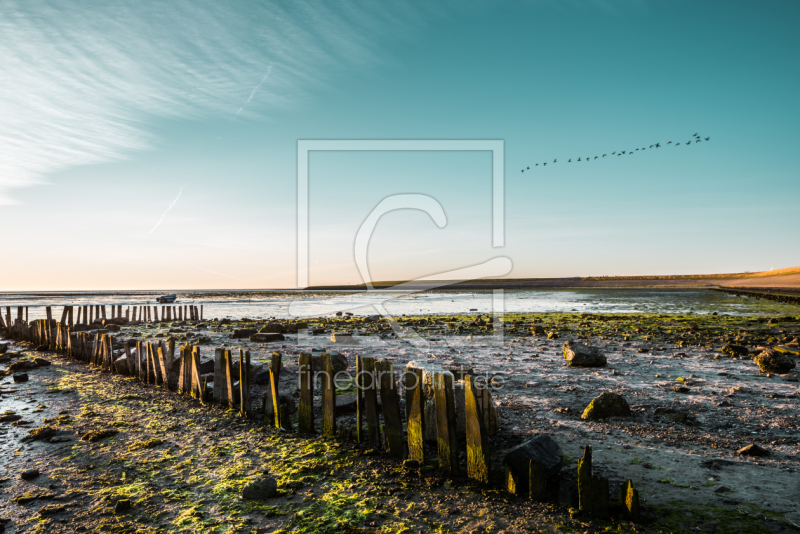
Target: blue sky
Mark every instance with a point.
(111, 109)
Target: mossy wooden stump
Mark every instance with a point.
(390, 405)
(592, 490)
(477, 438)
(306, 405)
(369, 386)
(446, 429)
(416, 414)
(328, 397)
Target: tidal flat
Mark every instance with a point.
(181, 466)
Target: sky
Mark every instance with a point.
(154, 145)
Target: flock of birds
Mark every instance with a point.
(696, 138)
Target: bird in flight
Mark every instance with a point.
(579, 159)
(695, 135)
(555, 160)
(707, 138)
(529, 168)
(669, 143)
(570, 160)
(658, 145)
(604, 155)
(544, 164)
(595, 157)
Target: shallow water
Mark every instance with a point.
(285, 304)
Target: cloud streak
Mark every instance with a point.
(84, 82)
(167, 211)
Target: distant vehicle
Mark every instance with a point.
(165, 299)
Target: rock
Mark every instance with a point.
(753, 450)
(771, 361)
(21, 377)
(3, 348)
(343, 337)
(121, 365)
(206, 367)
(224, 321)
(580, 355)
(38, 434)
(267, 338)
(680, 389)
(122, 506)
(30, 474)
(605, 405)
(272, 328)
(97, 435)
(537, 330)
(9, 417)
(735, 350)
(722, 489)
(243, 333)
(543, 450)
(265, 487)
(22, 365)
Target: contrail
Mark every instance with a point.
(169, 208)
(264, 79)
(215, 272)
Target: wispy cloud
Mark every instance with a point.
(215, 272)
(167, 210)
(82, 82)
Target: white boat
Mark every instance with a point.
(164, 299)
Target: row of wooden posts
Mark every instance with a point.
(89, 313)
(373, 378)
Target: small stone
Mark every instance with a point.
(265, 487)
(21, 377)
(122, 506)
(30, 474)
(771, 361)
(680, 389)
(580, 355)
(722, 489)
(753, 450)
(607, 404)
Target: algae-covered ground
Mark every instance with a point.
(181, 466)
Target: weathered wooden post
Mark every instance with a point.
(477, 440)
(198, 386)
(632, 502)
(185, 371)
(231, 397)
(49, 312)
(416, 414)
(162, 364)
(201, 312)
(306, 404)
(328, 397)
(592, 490)
(370, 401)
(244, 383)
(446, 429)
(274, 382)
(390, 406)
(359, 402)
(219, 395)
(69, 317)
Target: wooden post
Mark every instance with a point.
(198, 386)
(26, 314)
(274, 382)
(170, 359)
(359, 402)
(69, 317)
(201, 312)
(390, 406)
(244, 383)
(184, 372)
(416, 414)
(592, 490)
(328, 397)
(446, 430)
(218, 375)
(155, 314)
(477, 440)
(306, 404)
(229, 379)
(369, 386)
(632, 501)
(537, 482)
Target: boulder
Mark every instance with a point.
(264, 487)
(343, 337)
(735, 350)
(121, 365)
(753, 450)
(543, 450)
(38, 434)
(243, 333)
(772, 361)
(29, 474)
(272, 328)
(537, 330)
(581, 355)
(605, 405)
(267, 338)
(21, 377)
